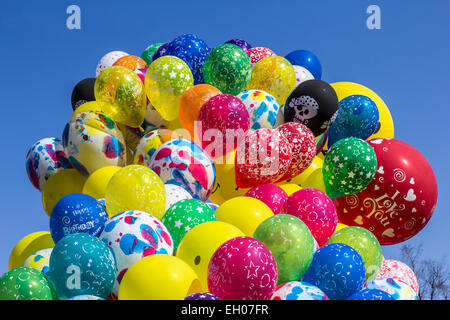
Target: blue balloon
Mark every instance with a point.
(81, 264)
(306, 59)
(76, 213)
(371, 294)
(192, 50)
(357, 117)
(338, 270)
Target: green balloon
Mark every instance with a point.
(25, 283)
(184, 215)
(291, 243)
(148, 53)
(228, 68)
(367, 245)
(348, 167)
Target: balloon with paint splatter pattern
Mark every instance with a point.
(92, 140)
(183, 163)
(44, 159)
(262, 107)
(133, 235)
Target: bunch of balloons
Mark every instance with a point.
(212, 173)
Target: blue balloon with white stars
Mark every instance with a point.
(192, 50)
(338, 270)
(357, 117)
(77, 213)
(306, 59)
(201, 296)
(371, 294)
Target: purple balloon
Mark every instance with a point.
(160, 52)
(244, 45)
(202, 296)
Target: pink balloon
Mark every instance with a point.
(242, 268)
(303, 147)
(316, 210)
(399, 271)
(270, 194)
(263, 156)
(228, 115)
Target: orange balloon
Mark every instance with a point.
(191, 102)
(131, 62)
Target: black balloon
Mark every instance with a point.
(313, 103)
(83, 92)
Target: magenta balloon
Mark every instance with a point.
(316, 210)
(242, 268)
(270, 194)
(227, 115)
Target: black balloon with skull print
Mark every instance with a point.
(313, 103)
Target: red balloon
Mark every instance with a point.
(270, 194)
(257, 53)
(229, 116)
(263, 156)
(401, 198)
(242, 268)
(303, 147)
(316, 210)
(399, 271)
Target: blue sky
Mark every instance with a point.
(406, 63)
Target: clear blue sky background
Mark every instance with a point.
(406, 63)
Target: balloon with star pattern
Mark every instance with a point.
(191, 49)
(185, 215)
(166, 80)
(242, 268)
(348, 168)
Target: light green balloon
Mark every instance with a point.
(291, 243)
(25, 283)
(367, 245)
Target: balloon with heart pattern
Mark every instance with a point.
(263, 156)
(257, 53)
(303, 147)
(400, 199)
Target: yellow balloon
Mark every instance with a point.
(120, 93)
(289, 188)
(340, 226)
(315, 180)
(96, 183)
(225, 186)
(88, 106)
(275, 75)
(166, 80)
(159, 277)
(27, 246)
(199, 244)
(135, 187)
(385, 128)
(59, 185)
(316, 164)
(245, 213)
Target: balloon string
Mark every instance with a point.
(322, 142)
